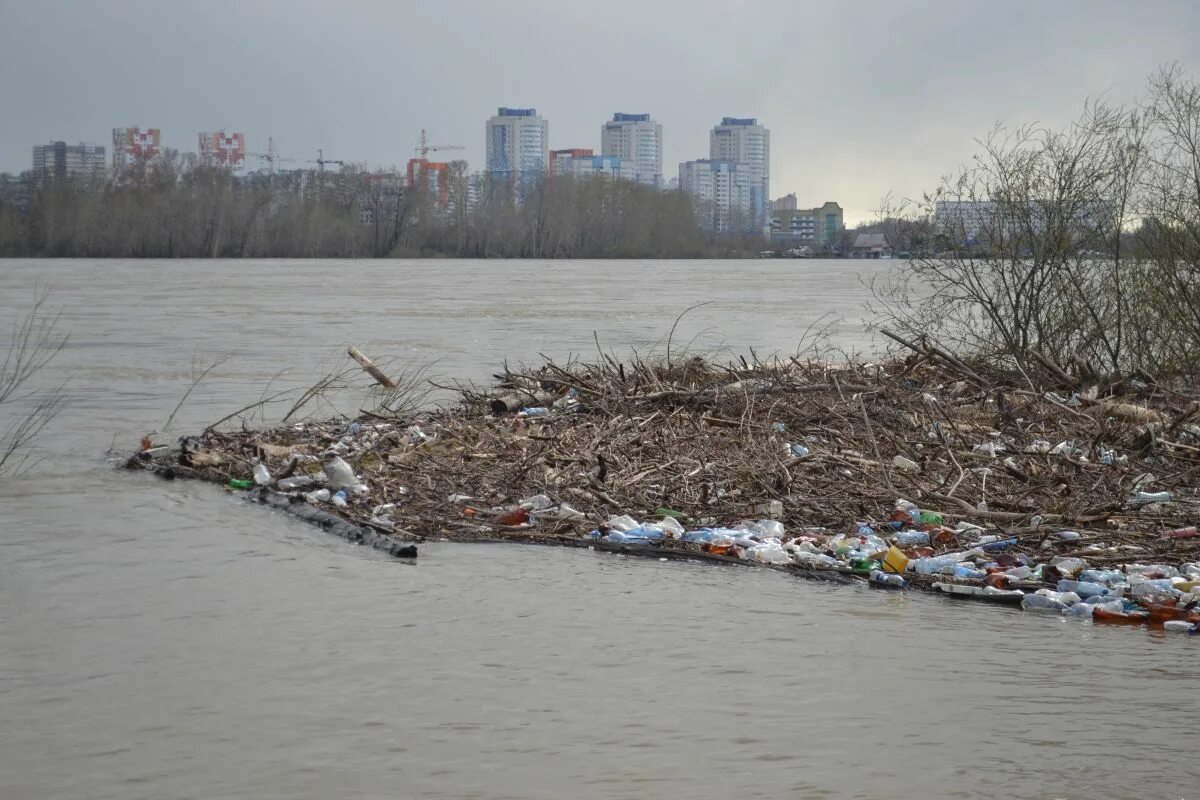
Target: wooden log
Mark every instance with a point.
(371, 369)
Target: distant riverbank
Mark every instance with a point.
(170, 210)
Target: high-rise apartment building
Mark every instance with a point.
(785, 203)
(745, 142)
(723, 193)
(221, 149)
(516, 145)
(432, 177)
(637, 139)
(62, 161)
(133, 145)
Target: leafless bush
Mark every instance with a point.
(1077, 247)
(37, 339)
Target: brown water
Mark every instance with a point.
(164, 640)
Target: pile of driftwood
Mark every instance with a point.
(810, 444)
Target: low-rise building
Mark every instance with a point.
(818, 229)
(570, 151)
(582, 167)
(871, 245)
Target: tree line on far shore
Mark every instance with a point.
(172, 208)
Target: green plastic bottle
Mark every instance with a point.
(240, 483)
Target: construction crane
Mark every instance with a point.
(322, 161)
(271, 156)
(424, 148)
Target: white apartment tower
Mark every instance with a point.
(516, 145)
(745, 142)
(636, 139)
(722, 193)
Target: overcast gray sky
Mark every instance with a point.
(862, 98)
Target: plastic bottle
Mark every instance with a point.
(1083, 588)
(240, 483)
(296, 482)
(769, 528)
(1183, 533)
(1107, 577)
(1084, 610)
(815, 560)
(881, 578)
(769, 554)
(1039, 602)
(1140, 499)
(515, 516)
(536, 503)
(644, 534)
(622, 523)
(319, 496)
(912, 539)
(1066, 598)
(905, 464)
(670, 526)
(933, 565)
(262, 475)
(340, 475)
(1181, 626)
(535, 411)
(339, 499)
(910, 508)
(1069, 566)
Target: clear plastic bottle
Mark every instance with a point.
(886, 579)
(1083, 610)
(1140, 499)
(1066, 598)
(262, 475)
(1083, 588)
(1039, 602)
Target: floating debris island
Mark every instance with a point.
(922, 473)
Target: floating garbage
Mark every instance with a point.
(786, 466)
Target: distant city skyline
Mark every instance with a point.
(861, 103)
